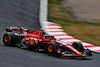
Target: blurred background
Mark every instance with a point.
(79, 18)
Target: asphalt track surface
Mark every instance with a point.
(26, 13)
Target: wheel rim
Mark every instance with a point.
(6, 38)
(50, 48)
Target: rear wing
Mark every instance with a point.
(18, 28)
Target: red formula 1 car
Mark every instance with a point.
(38, 40)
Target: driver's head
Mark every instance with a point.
(42, 29)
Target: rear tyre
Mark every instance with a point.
(78, 46)
(9, 39)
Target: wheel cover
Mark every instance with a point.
(50, 48)
(6, 38)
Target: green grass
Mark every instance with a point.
(85, 31)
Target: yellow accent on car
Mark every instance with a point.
(36, 41)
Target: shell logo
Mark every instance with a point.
(32, 42)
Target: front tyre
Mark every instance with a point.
(78, 46)
(52, 48)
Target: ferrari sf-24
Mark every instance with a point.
(40, 41)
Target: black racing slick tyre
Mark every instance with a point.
(78, 46)
(9, 39)
(51, 48)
